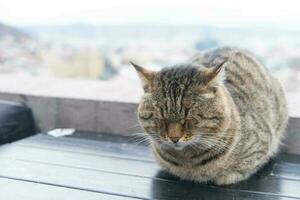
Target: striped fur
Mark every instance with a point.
(231, 117)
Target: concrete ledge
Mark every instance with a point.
(86, 115)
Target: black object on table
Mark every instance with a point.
(16, 122)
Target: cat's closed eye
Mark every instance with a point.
(190, 123)
(145, 115)
(212, 118)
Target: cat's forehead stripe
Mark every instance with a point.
(173, 84)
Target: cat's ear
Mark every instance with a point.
(215, 73)
(213, 77)
(145, 75)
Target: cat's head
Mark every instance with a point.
(184, 104)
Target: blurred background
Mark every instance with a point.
(95, 39)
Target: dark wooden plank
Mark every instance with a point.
(131, 186)
(278, 168)
(23, 190)
(106, 148)
(286, 170)
(79, 160)
(183, 191)
(75, 178)
(98, 164)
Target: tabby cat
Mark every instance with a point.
(218, 118)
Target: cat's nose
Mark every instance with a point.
(175, 139)
(175, 132)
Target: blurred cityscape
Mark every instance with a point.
(102, 52)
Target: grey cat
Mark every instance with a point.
(218, 118)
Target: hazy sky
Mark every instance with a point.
(276, 13)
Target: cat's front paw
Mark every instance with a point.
(229, 178)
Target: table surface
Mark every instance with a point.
(42, 167)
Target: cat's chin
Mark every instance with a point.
(175, 146)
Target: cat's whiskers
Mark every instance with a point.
(143, 141)
(219, 144)
(133, 127)
(218, 149)
(139, 138)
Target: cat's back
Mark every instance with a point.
(244, 75)
(258, 96)
(245, 78)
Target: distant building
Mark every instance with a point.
(86, 63)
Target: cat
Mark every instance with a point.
(218, 118)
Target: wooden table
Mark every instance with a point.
(46, 168)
